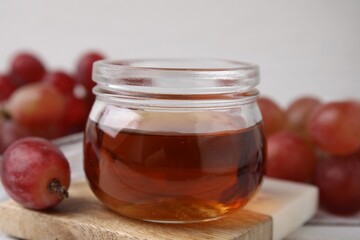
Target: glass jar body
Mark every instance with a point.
(174, 166)
(174, 145)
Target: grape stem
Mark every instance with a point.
(56, 187)
(4, 114)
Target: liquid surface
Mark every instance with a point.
(174, 177)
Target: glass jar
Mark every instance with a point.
(174, 141)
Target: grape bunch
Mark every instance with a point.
(319, 143)
(36, 101)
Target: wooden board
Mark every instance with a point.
(83, 217)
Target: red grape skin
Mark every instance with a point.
(290, 157)
(84, 69)
(298, 113)
(76, 114)
(61, 80)
(335, 127)
(27, 68)
(28, 167)
(11, 131)
(36, 105)
(273, 116)
(7, 87)
(338, 179)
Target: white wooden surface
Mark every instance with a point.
(289, 204)
(322, 226)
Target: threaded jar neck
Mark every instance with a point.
(176, 82)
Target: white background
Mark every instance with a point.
(302, 47)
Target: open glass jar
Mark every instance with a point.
(174, 141)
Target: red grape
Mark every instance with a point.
(61, 80)
(290, 157)
(9, 132)
(273, 116)
(335, 127)
(36, 104)
(7, 87)
(27, 68)
(76, 114)
(35, 173)
(298, 114)
(84, 69)
(39, 107)
(338, 180)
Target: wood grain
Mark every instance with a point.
(82, 216)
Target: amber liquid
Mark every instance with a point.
(174, 177)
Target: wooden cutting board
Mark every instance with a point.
(279, 208)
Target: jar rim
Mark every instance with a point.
(168, 64)
(176, 76)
